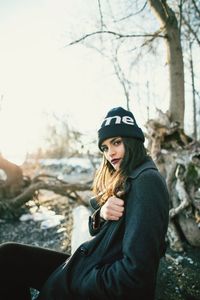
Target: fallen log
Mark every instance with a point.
(10, 206)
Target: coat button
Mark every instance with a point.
(83, 250)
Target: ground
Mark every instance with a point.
(179, 273)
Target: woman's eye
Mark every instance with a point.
(104, 149)
(118, 142)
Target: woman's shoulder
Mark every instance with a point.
(146, 175)
(147, 165)
(146, 183)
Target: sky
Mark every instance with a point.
(40, 75)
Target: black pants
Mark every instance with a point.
(23, 267)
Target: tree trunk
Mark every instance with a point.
(193, 93)
(169, 26)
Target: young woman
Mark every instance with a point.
(128, 225)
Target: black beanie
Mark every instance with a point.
(119, 122)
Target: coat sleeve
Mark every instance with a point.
(95, 221)
(146, 221)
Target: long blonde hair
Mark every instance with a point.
(109, 182)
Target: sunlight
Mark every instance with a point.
(40, 75)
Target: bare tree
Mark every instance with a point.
(169, 27)
(190, 32)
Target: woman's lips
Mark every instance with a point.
(115, 161)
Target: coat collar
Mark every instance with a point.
(148, 164)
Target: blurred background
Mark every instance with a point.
(49, 88)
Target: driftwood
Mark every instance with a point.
(27, 189)
(178, 159)
(13, 182)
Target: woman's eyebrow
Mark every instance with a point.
(111, 141)
(114, 139)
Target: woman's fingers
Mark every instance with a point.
(112, 209)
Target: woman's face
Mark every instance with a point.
(114, 151)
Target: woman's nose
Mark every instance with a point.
(111, 151)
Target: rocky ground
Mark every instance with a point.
(179, 273)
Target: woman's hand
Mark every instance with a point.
(113, 209)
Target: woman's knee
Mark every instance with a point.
(8, 248)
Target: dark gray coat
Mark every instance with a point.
(121, 261)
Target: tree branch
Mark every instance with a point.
(117, 34)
